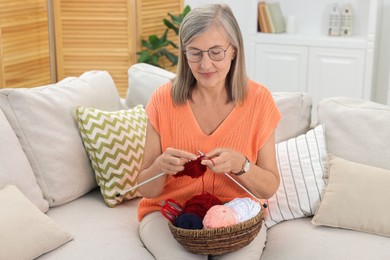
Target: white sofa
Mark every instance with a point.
(43, 155)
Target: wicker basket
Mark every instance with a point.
(218, 241)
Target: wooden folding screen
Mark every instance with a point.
(24, 43)
(94, 35)
(89, 35)
(150, 15)
(105, 35)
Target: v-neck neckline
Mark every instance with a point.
(192, 122)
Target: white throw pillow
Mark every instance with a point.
(143, 80)
(25, 232)
(357, 130)
(15, 168)
(43, 119)
(303, 168)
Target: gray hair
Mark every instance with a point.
(196, 22)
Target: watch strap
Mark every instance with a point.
(243, 168)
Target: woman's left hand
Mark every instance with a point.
(221, 160)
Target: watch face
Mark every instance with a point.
(247, 166)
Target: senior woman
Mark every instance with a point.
(211, 106)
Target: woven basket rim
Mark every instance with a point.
(238, 226)
(216, 241)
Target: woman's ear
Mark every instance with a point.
(234, 55)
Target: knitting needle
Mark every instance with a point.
(142, 183)
(139, 184)
(245, 189)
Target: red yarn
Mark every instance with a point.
(200, 204)
(194, 169)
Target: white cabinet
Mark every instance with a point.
(310, 60)
(280, 67)
(322, 72)
(335, 72)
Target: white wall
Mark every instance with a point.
(383, 58)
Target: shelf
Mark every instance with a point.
(350, 42)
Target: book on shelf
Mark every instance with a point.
(262, 17)
(270, 18)
(277, 17)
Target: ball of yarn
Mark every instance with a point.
(188, 221)
(194, 169)
(219, 216)
(244, 208)
(200, 204)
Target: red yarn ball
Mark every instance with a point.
(194, 169)
(200, 204)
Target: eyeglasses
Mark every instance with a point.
(216, 54)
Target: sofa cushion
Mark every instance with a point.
(15, 168)
(296, 114)
(143, 80)
(356, 197)
(100, 232)
(357, 130)
(115, 143)
(26, 232)
(303, 169)
(294, 107)
(299, 239)
(44, 120)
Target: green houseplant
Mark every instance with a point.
(155, 47)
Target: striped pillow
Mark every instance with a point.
(303, 168)
(115, 144)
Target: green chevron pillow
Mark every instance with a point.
(115, 144)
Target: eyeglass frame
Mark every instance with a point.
(208, 53)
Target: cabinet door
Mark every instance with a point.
(281, 67)
(335, 72)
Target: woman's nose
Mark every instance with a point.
(205, 62)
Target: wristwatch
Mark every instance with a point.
(245, 168)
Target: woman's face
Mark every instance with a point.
(210, 73)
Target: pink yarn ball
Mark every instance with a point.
(219, 216)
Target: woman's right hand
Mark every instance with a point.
(156, 161)
(172, 160)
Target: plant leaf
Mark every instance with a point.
(170, 56)
(169, 24)
(143, 56)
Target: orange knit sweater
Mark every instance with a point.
(246, 129)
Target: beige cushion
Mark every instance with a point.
(44, 120)
(15, 168)
(296, 114)
(357, 197)
(26, 232)
(357, 130)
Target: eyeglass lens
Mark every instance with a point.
(216, 54)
